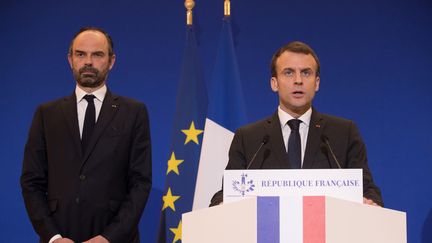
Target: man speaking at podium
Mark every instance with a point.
(297, 136)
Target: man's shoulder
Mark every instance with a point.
(127, 101)
(333, 121)
(259, 125)
(336, 119)
(56, 102)
(71, 99)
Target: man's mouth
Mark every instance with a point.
(88, 71)
(298, 94)
(88, 74)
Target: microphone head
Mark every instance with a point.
(265, 139)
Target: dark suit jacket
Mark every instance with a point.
(103, 191)
(342, 134)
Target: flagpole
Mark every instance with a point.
(227, 8)
(189, 4)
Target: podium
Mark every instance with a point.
(307, 219)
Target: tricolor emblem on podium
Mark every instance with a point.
(294, 219)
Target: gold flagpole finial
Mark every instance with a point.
(227, 8)
(189, 4)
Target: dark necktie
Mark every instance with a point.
(89, 121)
(294, 144)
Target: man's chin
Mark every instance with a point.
(89, 83)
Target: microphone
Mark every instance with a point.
(264, 141)
(325, 139)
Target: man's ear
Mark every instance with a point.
(69, 57)
(274, 84)
(112, 61)
(317, 83)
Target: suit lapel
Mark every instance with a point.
(276, 141)
(316, 127)
(69, 109)
(108, 110)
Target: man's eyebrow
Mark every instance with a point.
(91, 52)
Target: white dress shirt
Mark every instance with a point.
(303, 129)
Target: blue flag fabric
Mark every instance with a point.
(183, 157)
(226, 113)
(226, 101)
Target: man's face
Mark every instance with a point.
(89, 59)
(296, 82)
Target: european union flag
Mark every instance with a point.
(183, 157)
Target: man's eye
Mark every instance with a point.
(306, 73)
(79, 54)
(288, 73)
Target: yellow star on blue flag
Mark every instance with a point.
(173, 164)
(192, 133)
(169, 200)
(177, 232)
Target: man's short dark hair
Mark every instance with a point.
(108, 37)
(296, 47)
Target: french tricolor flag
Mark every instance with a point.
(226, 112)
(291, 219)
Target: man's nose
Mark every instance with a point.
(298, 78)
(88, 61)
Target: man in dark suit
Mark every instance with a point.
(296, 135)
(86, 172)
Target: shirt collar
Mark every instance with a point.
(99, 94)
(284, 117)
